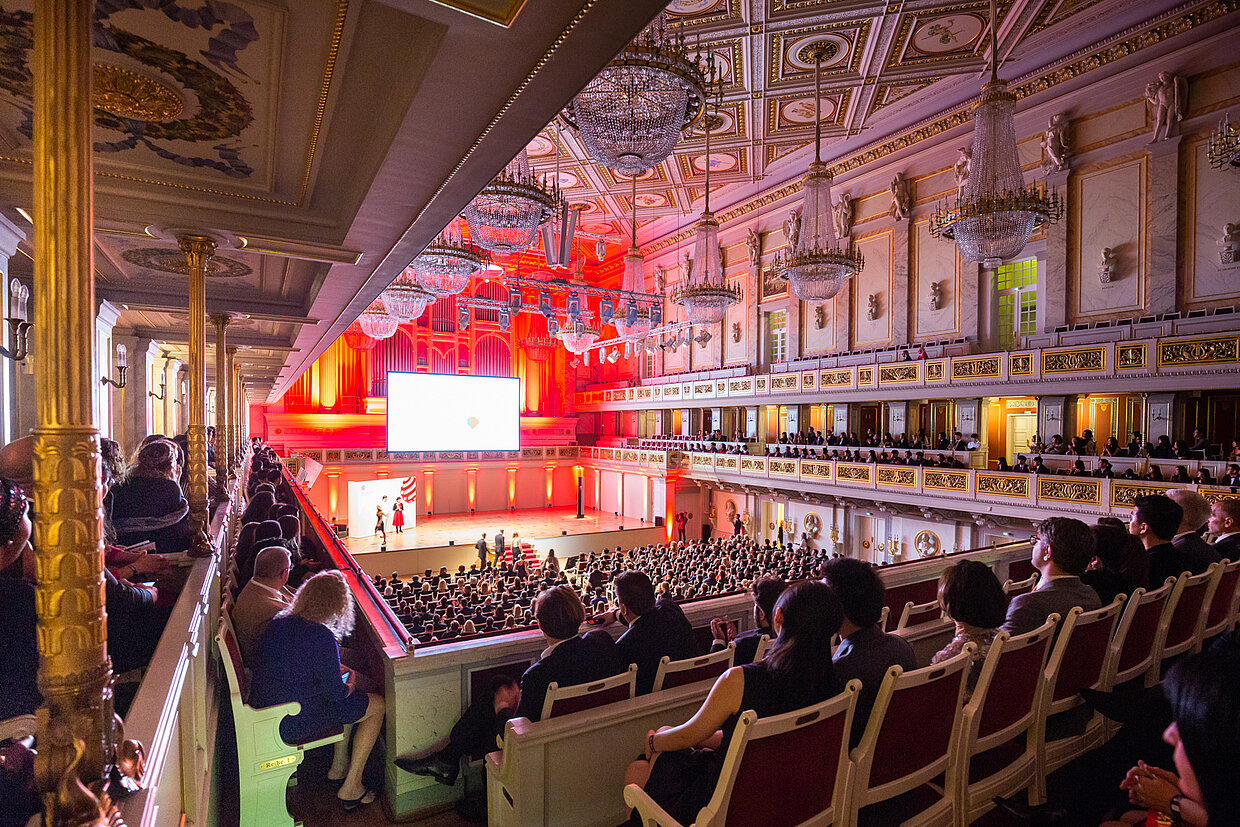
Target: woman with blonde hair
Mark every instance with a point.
(298, 659)
(149, 504)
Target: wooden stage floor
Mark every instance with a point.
(464, 529)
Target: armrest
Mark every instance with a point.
(651, 814)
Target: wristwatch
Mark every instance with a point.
(1174, 806)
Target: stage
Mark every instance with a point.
(448, 539)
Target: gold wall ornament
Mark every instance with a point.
(934, 371)
(835, 378)
(903, 477)
(816, 470)
(813, 525)
(979, 367)
(198, 251)
(1020, 364)
(852, 473)
(927, 543)
(1003, 485)
(782, 467)
(132, 95)
(1205, 351)
(1080, 360)
(1130, 356)
(1087, 492)
(897, 374)
(945, 480)
(1126, 493)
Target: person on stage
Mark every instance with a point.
(481, 545)
(398, 516)
(499, 546)
(379, 528)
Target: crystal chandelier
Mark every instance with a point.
(404, 298)
(538, 348)
(818, 267)
(446, 265)
(631, 115)
(376, 323)
(505, 216)
(705, 294)
(357, 339)
(579, 337)
(1224, 148)
(636, 322)
(993, 218)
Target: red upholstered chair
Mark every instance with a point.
(1137, 634)
(1014, 587)
(909, 741)
(1221, 615)
(1180, 629)
(692, 670)
(1080, 659)
(569, 699)
(759, 785)
(997, 752)
(918, 614)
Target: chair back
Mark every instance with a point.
(1222, 612)
(915, 614)
(234, 668)
(911, 732)
(764, 645)
(1009, 689)
(569, 699)
(1080, 658)
(1182, 627)
(1137, 633)
(1012, 588)
(692, 670)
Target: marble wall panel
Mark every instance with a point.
(871, 206)
(1115, 218)
(1097, 129)
(935, 261)
(816, 340)
(1213, 201)
(875, 278)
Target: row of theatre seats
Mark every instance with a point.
(947, 757)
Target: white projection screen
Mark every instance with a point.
(442, 412)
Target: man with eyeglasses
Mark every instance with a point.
(1062, 548)
(262, 598)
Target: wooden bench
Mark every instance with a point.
(570, 770)
(265, 763)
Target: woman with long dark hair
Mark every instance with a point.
(683, 763)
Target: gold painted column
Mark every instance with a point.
(221, 320)
(198, 251)
(75, 675)
(232, 442)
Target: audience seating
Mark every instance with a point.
(764, 645)
(904, 746)
(1012, 588)
(265, 762)
(917, 614)
(563, 700)
(1221, 615)
(1137, 634)
(760, 785)
(1180, 629)
(1080, 659)
(1001, 725)
(691, 670)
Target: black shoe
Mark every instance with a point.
(441, 770)
(1043, 815)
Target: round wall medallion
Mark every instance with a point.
(139, 97)
(927, 543)
(730, 510)
(170, 260)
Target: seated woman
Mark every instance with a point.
(1163, 449)
(796, 673)
(971, 596)
(1111, 448)
(1079, 469)
(1181, 474)
(149, 504)
(298, 659)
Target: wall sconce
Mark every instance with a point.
(184, 393)
(19, 294)
(1052, 415)
(122, 369)
(163, 389)
(1159, 416)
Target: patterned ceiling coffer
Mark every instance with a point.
(790, 62)
(172, 260)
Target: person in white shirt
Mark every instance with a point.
(1224, 524)
(262, 598)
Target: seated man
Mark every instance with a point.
(1196, 553)
(568, 660)
(1224, 524)
(656, 628)
(1062, 549)
(262, 598)
(1155, 520)
(866, 651)
(765, 591)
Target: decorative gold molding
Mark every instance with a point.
(1020, 364)
(935, 371)
(865, 376)
(1071, 490)
(835, 378)
(1130, 357)
(941, 480)
(782, 467)
(816, 470)
(902, 477)
(753, 464)
(977, 367)
(1077, 360)
(1004, 485)
(852, 472)
(1125, 493)
(898, 374)
(1205, 351)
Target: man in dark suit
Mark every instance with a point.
(481, 546)
(1195, 552)
(569, 660)
(1155, 520)
(765, 591)
(1062, 548)
(656, 628)
(1225, 526)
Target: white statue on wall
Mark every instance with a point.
(936, 295)
(1108, 265)
(901, 197)
(1169, 96)
(820, 317)
(660, 278)
(686, 269)
(872, 311)
(753, 242)
(736, 331)
(845, 214)
(964, 162)
(1055, 144)
(792, 229)
(1229, 244)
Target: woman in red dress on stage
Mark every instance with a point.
(398, 516)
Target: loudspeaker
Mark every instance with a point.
(658, 522)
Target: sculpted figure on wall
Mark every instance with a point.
(964, 162)
(936, 295)
(845, 214)
(792, 229)
(1229, 245)
(901, 197)
(1169, 96)
(872, 311)
(753, 242)
(1055, 144)
(686, 269)
(1108, 265)
(660, 278)
(736, 331)
(820, 317)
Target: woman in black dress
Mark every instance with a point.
(683, 763)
